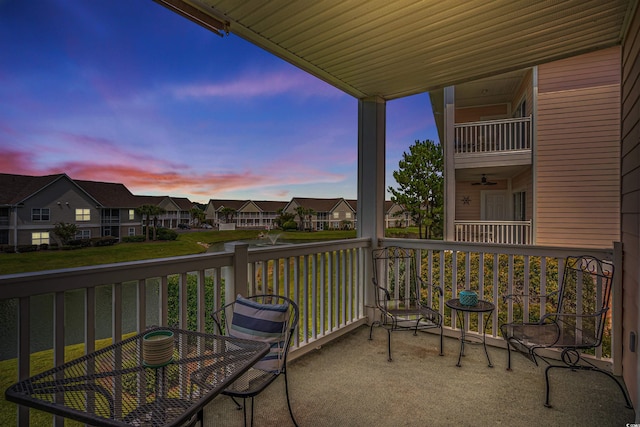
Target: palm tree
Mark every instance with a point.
(157, 210)
(145, 211)
(197, 215)
(228, 214)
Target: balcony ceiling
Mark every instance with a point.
(404, 47)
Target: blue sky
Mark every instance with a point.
(127, 91)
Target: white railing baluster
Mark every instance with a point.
(492, 136)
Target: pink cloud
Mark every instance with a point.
(258, 85)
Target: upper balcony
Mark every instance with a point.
(493, 143)
(329, 281)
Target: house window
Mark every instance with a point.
(4, 237)
(347, 215)
(519, 206)
(132, 231)
(40, 237)
(132, 214)
(336, 215)
(83, 234)
(83, 214)
(40, 214)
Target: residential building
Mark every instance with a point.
(325, 214)
(533, 155)
(177, 210)
(30, 206)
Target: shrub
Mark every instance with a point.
(27, 248)
(166, 234)
(8, 249)
(290, 225)
(104, 241)
(133, 239)
(44, 246)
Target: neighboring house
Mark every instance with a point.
(215, 211)
(395, 216)
(30, 206)
(327, 214)
(177, 210)
(261, 213)
(532, 157)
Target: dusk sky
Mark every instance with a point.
(130, 92)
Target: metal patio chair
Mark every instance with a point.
(399, 294)
(577, 324)
(268, 318)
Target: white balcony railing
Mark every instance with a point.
(328, 280)
(504, 232)
(493, 136)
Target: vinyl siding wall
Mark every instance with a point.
(630, 195)
(578, 151)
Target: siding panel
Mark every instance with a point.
(631, 203)
(578, 151)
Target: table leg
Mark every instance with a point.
(460, 317)
(484, 337)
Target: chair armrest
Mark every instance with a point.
(430, 285)
(387, 295)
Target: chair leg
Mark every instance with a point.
(441, 351)
(508, 356)
(238, 405)
(389, 343)
(585, 368)
(371, 330)
(286, 389)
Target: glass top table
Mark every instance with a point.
(113, 387)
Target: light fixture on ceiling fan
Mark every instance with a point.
(484, 181)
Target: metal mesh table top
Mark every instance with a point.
(481, 307)
(113, 387)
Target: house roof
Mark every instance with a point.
(183, 203)
(394, 49)
(227, 203)
(270, 205)
(109, 194)
(318, 205)
(15, 189)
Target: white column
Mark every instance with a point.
(371, 184)
(371, 167)
(449, 164)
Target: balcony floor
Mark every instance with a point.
(350, 383)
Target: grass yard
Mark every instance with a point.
(188, 243)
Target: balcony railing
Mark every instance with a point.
(328, 280)
(493, 136)
(504, 232)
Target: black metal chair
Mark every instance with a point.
(399, 294)
(577, 323)
(269, 318)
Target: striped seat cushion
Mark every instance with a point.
(262, 322)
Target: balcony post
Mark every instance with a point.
(449, 164)
(236, 277)
(372, 115)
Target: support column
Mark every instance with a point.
(449, 165)
(371, 184)
(372, 114)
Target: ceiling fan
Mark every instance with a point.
(484, 181)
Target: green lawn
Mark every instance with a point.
(187, 243)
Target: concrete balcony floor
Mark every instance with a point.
(349, 382)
